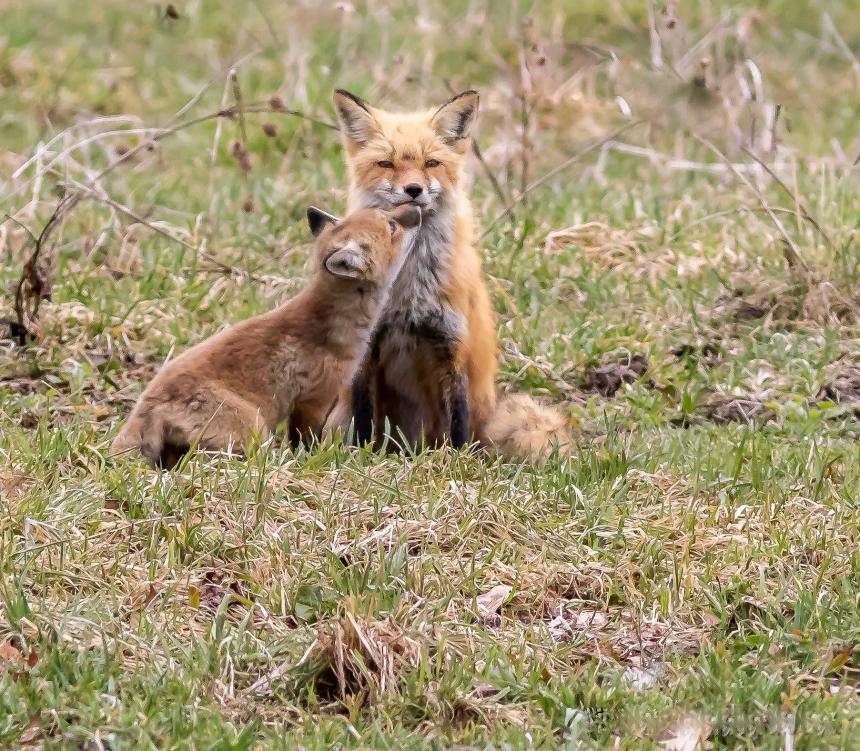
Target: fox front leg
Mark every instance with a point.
(362, 404)
(458, 406)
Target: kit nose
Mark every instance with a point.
(413, 190)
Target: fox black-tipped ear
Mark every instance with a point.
(357, 122)
(318, 219)
(453, 121)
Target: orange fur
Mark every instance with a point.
(285, 365)
(520, 427)
(426, 149)
(437, 332)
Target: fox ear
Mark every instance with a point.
(357, 122)
(453, 121)
(318, 219)
(347, 263)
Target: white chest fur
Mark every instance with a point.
(416, 306)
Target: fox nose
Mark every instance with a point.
(413, 190)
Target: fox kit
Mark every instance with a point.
(430, 370)
(287, 364)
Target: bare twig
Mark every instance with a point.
(476, 150)
(77, 126)
(35, 283)
(827, 21)
(237, 96)
(497, 188)
(791, 194)
(525, 90)
(774, 136)
(556, 170)
(99, 195)
(540, 364)
(728, 212)
(226, 112)
(160, 134)
(271, 26)
(678, 164)
(794, 256)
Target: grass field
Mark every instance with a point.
(677, 268)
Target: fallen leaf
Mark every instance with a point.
(32, 731)
(687, 734)
(490, 602)
(639, 679)
(608, 379)
(839, 659)
(10, 654)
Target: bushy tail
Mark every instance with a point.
(521, 428)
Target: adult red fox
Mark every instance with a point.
(284, 365)
(430, 371)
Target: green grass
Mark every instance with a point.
(692, 565)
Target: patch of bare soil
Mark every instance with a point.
(23, 383)
(842, 384)
(607, 379)
(722, 410)
(709, 354)
(209, 592)
(767, 300)
(13, 487)
(353, 659)
(628, 638)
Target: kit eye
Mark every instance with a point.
(430, 163)
(385, 164)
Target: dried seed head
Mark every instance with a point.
(248, 205)
(270, 129)
(241, 155)
(171, 12)
(276, 103)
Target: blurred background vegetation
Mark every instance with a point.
(667, 205)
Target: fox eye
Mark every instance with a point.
(392, 225)
(430, 163)
(385, 164)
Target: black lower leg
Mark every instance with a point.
(171, 454)
(459, 403)
(362, 410)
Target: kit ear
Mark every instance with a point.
(454, 120)
(319, 219)
(356, 119)
(347, 263)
